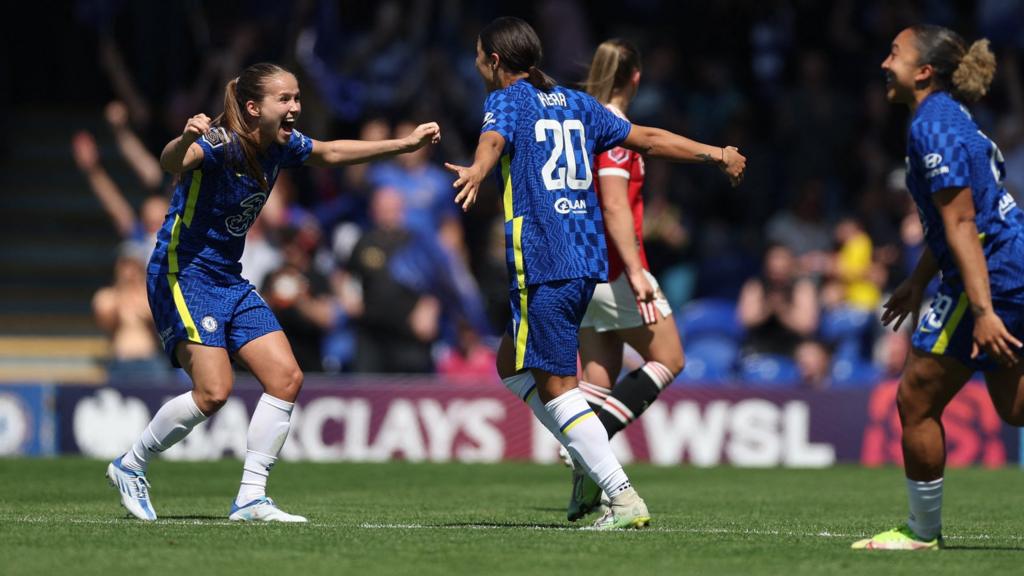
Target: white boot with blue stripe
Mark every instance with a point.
(262, 510)
(134, 489)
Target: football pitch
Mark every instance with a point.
(59, 516)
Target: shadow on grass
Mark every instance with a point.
(193, 517)
(532, 525)
(949, 548)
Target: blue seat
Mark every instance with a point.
(848, 373)
(709, 316)
(848, 332)
(769, 371)
(710, 359)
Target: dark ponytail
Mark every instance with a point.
(518, 49)
(248, 86)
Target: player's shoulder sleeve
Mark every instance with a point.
(609, 129)
(501, 112)
(617, 161)
(939, 151)
(296, 150)
(215, 144)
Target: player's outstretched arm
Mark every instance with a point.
(343, 152)
(659, 143)
(488, 150)
(182, 153)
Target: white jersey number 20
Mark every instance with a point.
(563, 136)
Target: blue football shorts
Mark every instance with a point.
(545, 324)
(192, 307)
(947, 329)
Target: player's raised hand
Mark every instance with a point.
(905, 301)
(991, 335)
(467, 183)
(196, 127)
(84, 151)
(429, 133)
(733, 164)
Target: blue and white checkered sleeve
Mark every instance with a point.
(500, 115)
(941, 154)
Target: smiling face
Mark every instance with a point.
(903, 74)
(275, 114)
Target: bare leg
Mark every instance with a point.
(929, 382)
(1006, 387)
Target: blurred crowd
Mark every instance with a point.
(374, 269)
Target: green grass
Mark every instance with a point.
(59, 516)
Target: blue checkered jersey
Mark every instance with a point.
(947, 150)
(553, 225)
(214, 205)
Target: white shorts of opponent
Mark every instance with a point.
(614, 306)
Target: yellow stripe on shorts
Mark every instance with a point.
(947, 331)
(186, 316)
(523, 329)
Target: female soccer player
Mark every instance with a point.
(544, 136)
(630, 307)
(975, 236)
(205, 312)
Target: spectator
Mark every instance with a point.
(802, 229)
(855, 279)
(779, 308)
(140, 227)
(398, 324)
(813, 361)
(301, 298)
(470, 360)
(122, 311)
(426, 191)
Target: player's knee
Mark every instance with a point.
(910, 409)
(290, 385)
(210, 399)
(675, 362)
(913, 406)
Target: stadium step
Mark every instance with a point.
(60, 245)
(65, 359)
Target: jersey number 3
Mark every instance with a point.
(561, 169)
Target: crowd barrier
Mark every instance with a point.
(378, 419)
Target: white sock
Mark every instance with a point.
(523, 386)
(268, 430)
(587, 441)
(925, 508)
(172, 422)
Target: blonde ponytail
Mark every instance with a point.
(613, 66)
(974, 73)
